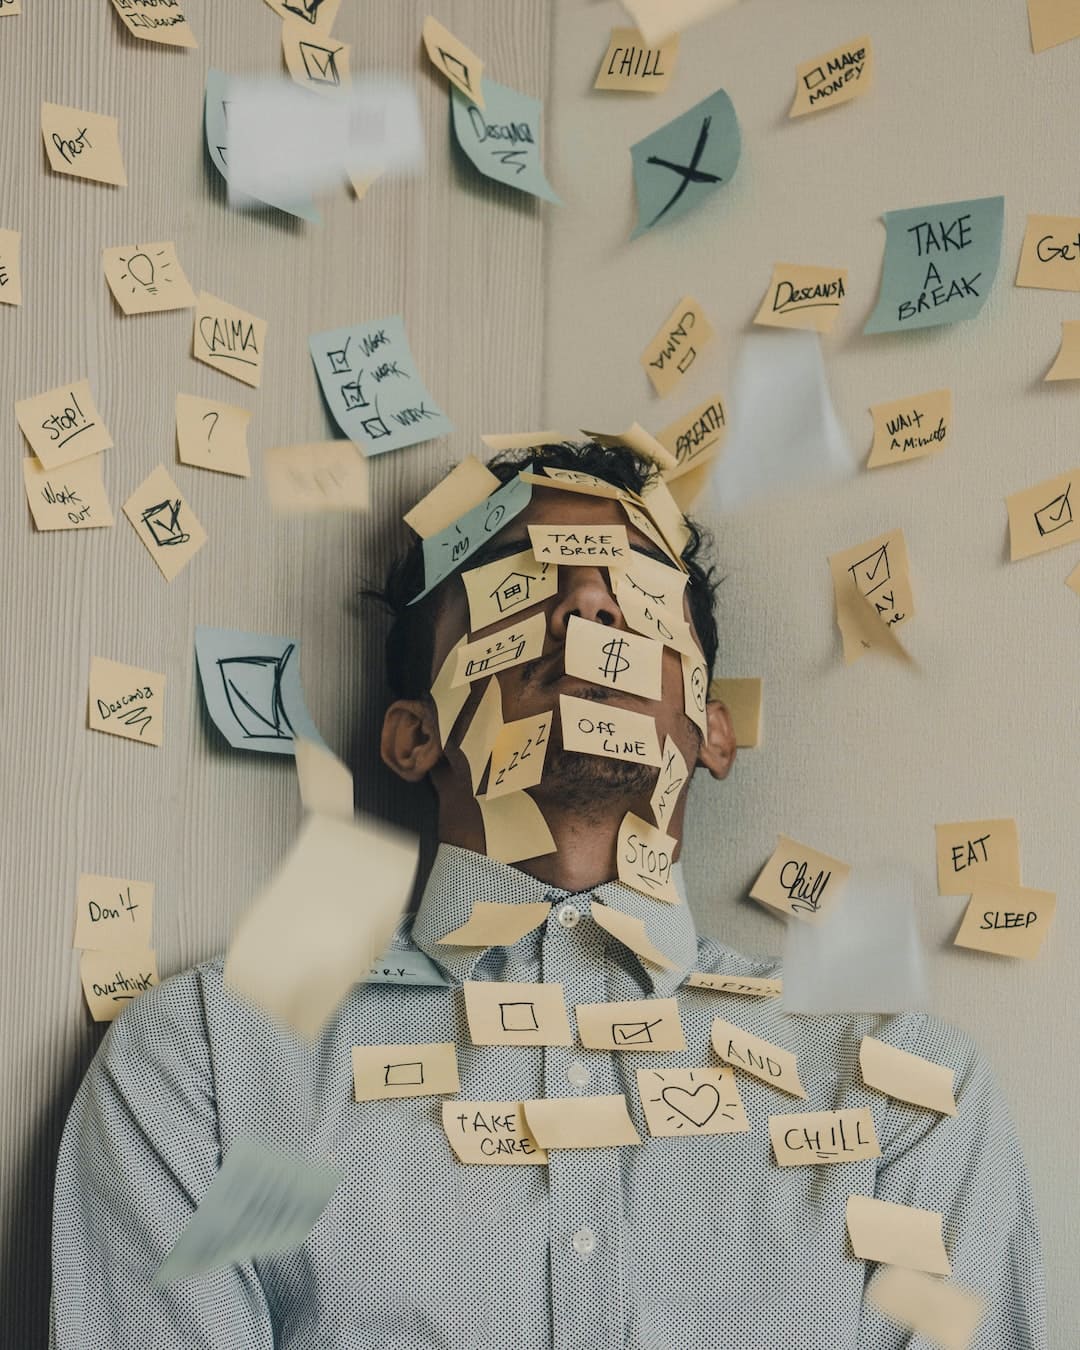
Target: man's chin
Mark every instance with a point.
(591, 784)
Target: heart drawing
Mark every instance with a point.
(698, 1106)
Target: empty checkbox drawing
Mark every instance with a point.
(518, 1017)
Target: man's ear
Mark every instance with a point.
(717, 750)
(411, 744)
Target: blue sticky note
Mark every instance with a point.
(503, 138)
(215, 118)
(685, 161)
(251, 686)
(446, 551)
(940, 262)
(371, 386)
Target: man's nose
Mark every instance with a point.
(586, 592)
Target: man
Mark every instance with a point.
(697, 1241)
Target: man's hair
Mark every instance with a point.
(410, 641)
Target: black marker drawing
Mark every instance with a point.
(68, 420)
(871, 572)
(320, 63)
(697, 1106)
(686, 360)
(518, 1017)
(308, 10)
(634, 1033)
(374, 428)
(496, 655)
(462, 73)
(405, 1074)
(1055, 515)
(213, 428)
(690, 173)
(253, 692)
(513, 591)
(162, 523)
(339, 359)
(615, 663)
(144, 273)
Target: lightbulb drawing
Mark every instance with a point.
(142, 270)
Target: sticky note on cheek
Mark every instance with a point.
(970, 852)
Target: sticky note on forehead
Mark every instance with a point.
(498, 589)
(447, 550)
(580, 545)
(464, 488)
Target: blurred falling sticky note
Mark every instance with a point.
(10, 272)
(84, 144)
(640, 1024)
(326, 476)
(306, 939)
(1052, 23)
(505, 1012)
(372, 387)
(681, 163)
(801, 296)
(491, 924)
(632, 933)
(163, 519)
(1050, 253)
(834, 77)
(909, 428)
(820, 1137)
(799, 881)
(1006, 920)
(126, 701)
(448, 550)
(907, 1077)
(771, 1063)
(743, 700)
(615, 733)
(229, 339)
(360, 183)
(71, 497)
(146, 278)
(684, 1102)
(260, 1203)
(517, 755)
(970, 852)
(506, 647)
(942, 1313)
(112, 913)
(898, 1235)
(383, 1072)
(1042, 517)
(501, 588)
(460, 64)
(63, 424)
(317, 15)
(484, 726)
(464, 487)
(657, 19)
(449, 698)
(326, 785)
(112, 978)
(252, 690)
(671, 354)
(940, 263)
(156, 21)
(503, 139)
(696, 437)
(514, 828)
(490, 1132)
(212, 435)
(1067, 362)
(646, 855)
(581, 1122)
(630, 63)
(878, 571)
(314, 61)
(614, 658)
(670, 782)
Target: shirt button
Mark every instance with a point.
(584, 1241)
(569, 917)
(578, 1074)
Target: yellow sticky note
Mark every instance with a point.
(212, 435)
(615, 733)
(163, 519)
(942, 1313)
(657, 583)
(1006, 920)
(670, 781)
(126, 701)
(506, 647)
(695, 438)
(499, 589)
(314, 60)
(317, 478)
(672, 353)
(799, 881)
(514, 828)
(909, 428)
(657, 19)
(71, 497)
(449, 698)
(696, 690)
(631, 932)
(972, 851)
(658, 501)
(1052, 22)
(816, 1137)
(381, 1072)
(1067, 362)
(229, 339)
(877, 570)
(504, 1012)
(84, 144)
(63, 424)
(523, 440)
(1050, 253)
(465, 486)
(635, 437)
(518, 754)
(743, 699)
(1042, 517)
(645, 858)
(482, 730)
(636, 1024)
(803, 297)
(10, 272)
(645, 616)
(492, 924)
(8, 8)
(631, 63)
(111, 979)
(907, 1077)
(490, 1132)
(460, 64)
(318, 15)
(326, 785)
(643, 522)
(614, 658)
(146, 278)
(113, 913)
(681, 1102)
(360, 183)
(156, 21)
(771, 1063)
(834, 77)
(580, 546)
(898, 1235)
(756, 986)
(574, 480)
(581, 1122)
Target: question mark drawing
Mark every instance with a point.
(210, 433)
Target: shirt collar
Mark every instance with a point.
(459, 876)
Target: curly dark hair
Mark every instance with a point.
(410, 641)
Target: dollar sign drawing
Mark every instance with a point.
(616, 663)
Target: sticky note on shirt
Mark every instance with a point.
(1006, 920)
(163, 519)
(126, 701)
(147, 278)
(63, 424)
(879, 571)
(382, 1072)
(319, 478)
(452, 547)
(111, 979)
(645, 1024)
(509, 646)
(113, 913)
(492, 924)
(84, 144)
(599, 729)
(909, 428)
(502, 137)
(1043, 517)
(581, 1122)
(632, 64)
(156, 21)
(10, 271)
(490, 1132)
(578, 546)
(499, 589)
(674, 351)
(462, 490)
(898, 1235)
(943, 1313)
(71, 497)
(771, 1063)
(504, 1012)
(514, 828)
(315, 61)
(816, 1137)
(229, 339)
(518, 754)
(632, 933)
(212, 435)
(835, 77)
(907, 1077)
(615, 659)
(645, 858)
(682, 163)
(972, 851)
(800, 296)
(683, 1102)
(1050, 253)
(1067, 362)
(799, 881)
(756, 986)
(460, 64)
